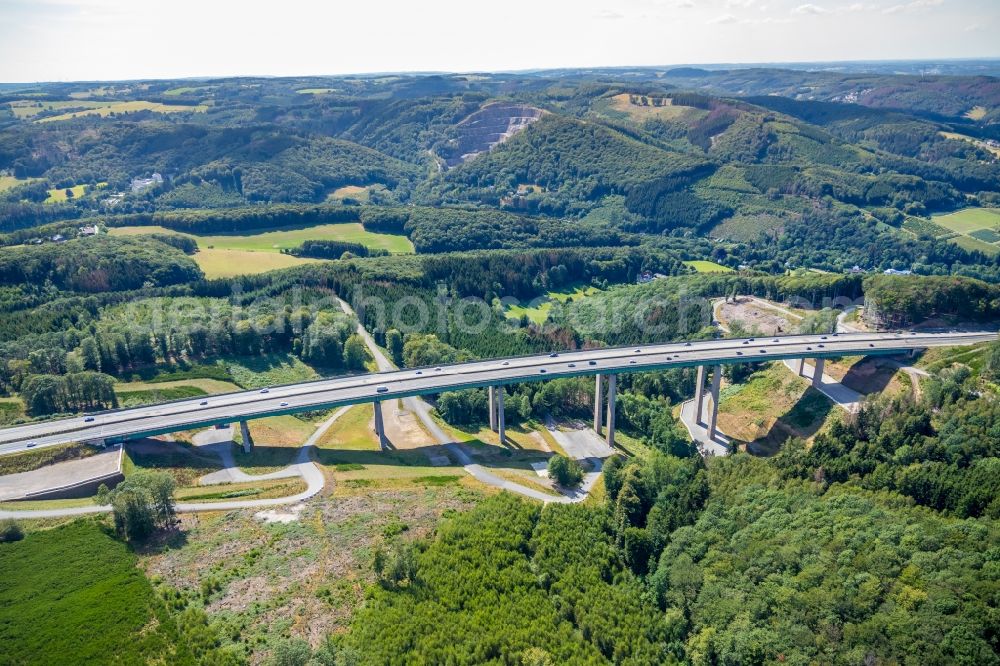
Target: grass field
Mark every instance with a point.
(351, 431)
(708, 266)
(978, 228)
(205, 385)
(538, 309)
(186, 463)
(10, 182)
(25, 108)
(105, 109)
(277, 441)
(251, 490)
(355, 192)
(185, 90)
(31, 460)
(315, 91)
(772, 405)
(976, 113)
(667, 111)
(11, 409)
(259, 251)
(229, 263)
(268, 370)
(56, 196)
(74, 595)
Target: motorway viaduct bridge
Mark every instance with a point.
(125, 424)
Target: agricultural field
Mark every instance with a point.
(217, 263)
(274, 240)
(228, 255)
(185, 90)
(26, 108)
(978, 228)
(538, 309)
(105, 109)
(708, 267)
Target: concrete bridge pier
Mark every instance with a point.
(699, 393)
(379, 426)
(247, 440)
(501, 423)
(598, 404)
(802, 367)
(818, 372)
(716, 384)
(612, 399)
(491, 396)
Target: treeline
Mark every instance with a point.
(16, 215)
(75, 392)
(451, 229)
(98, 264)
(894, 301)
(235, 220)
(525, 274)
(333, 249)
(169, 332)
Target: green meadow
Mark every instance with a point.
(538, 310)
(708, 267)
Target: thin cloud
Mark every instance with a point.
(608, 15)
(723, 20)
(916, 5)
(810, 9)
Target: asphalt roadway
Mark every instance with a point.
(118, 425)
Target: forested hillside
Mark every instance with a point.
(177, 239)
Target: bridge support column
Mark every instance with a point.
(247, 440)
(379, 426)
(818, 372)
(716, 384)
(699, 394)
(491, 396)
(802, 367)
(598, 404)
(501, 421)
(612, 399)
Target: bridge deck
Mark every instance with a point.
(118, 425)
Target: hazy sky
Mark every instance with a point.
(59, 40)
